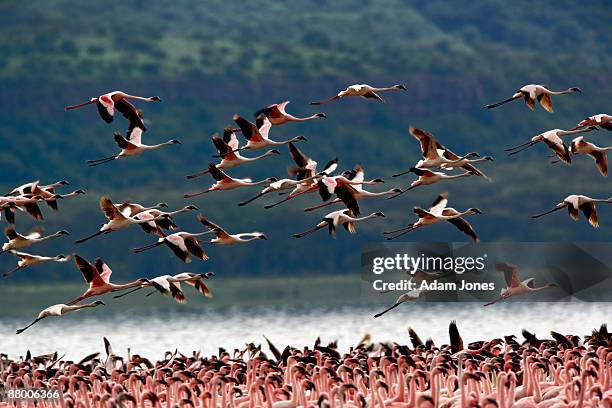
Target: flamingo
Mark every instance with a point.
(225, 182)
(515, 287)
(97, 276)
(119, 100)
(155, 227)
(435, 155)
(116, 220)
(24, 203)
(603, 120)
(60, 310)
(338, 218)
(439, 212)
(581, 146)
(28, 188)
(277, 115)
(183, 245)
(532, 92)
(257, 133)
(428, 177)
(553, 139)
(349, 190)
(362, 90)
(19, 241)
(132, 146)
(412, 295)
(47, 192)
(576, 202)
(305, 173)
(131, 209)
(225, 238)
(171, 285)
(228, 150)
(26, 260)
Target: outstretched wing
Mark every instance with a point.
(298, 157)
(219, 232)
(225, 151)
(426, 140)
(89, 271)
(109, 210)
(439, 203)
(130, 112)
(346, 194)
(218, 174)
(510, 273)
(103, 269)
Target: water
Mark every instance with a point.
(152, 332)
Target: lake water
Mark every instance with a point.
(152, 332)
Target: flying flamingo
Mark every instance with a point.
(576, 202)
(225, 182)
(435, 155)
(171, 285)
(305, 172)
(225, 238)
(107, 104)
(603, 120)
(183, 245)
(24, 203)
(338, 218)
(26, 260)
(409, 296)
(439, 212)
(131, 209)
(349, 190)
(19, 241)
(581, 146)
(277, 115)
(257, 133)
(532, 92)
(132, 146)
(362, 90)
(228, 149)
(514, 286)
(156, 227)
(60, 310)
(116, 220)
(28, 188)
(97, 276)
(428, 177)
(553, 139)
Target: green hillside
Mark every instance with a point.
(208, 60)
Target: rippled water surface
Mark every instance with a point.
(152, 332)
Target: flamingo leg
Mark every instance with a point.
(315, 229)
(548, 212)
(103, 160)
(76, 300)
(79, 105)
(19, 331)
(398, 230)
(495, 105)
(127, 293)
(147, 247)
(78, 241)
(402, 173)
(493, 301)
(198, 194)
(9, 273)
(198, 174)
(333, 98)
(251, 199)
(387, 310)
(404, 233)
(401, 192)
(322, 205)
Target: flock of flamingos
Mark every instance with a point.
(564, 371)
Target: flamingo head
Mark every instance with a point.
(62, 183)
(475, 210)
(191, 207)
(301, 138)
(320, 115)
(175, 141)
(155, 99)
(99, 303)
(379, 214)
(400, 87)
(62, 232)
(274, 151)
(378, 180)
(271, 179)
(575, 89)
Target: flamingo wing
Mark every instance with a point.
(134, 134)
(372, 95)
(450, 155)
(225, 151)
(530, 283)
(560, 149)
(545, 101)
(103, 269)
(465, 227)
(35, 233)
(346, 193)
(130, 112)
(122, 142)
(601, 159)
(357, 174)
(106, 114)
(11, 234)
(510, 273)
(89, 271)
(193, 246)
(607, 125)
(439, 203)
(263, 126)
(298, 157)
(218, 174)
(589, 211)
(427, 141)
(249, 129)
(34, 210)
(218, 231)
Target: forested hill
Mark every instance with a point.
(210, 59)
